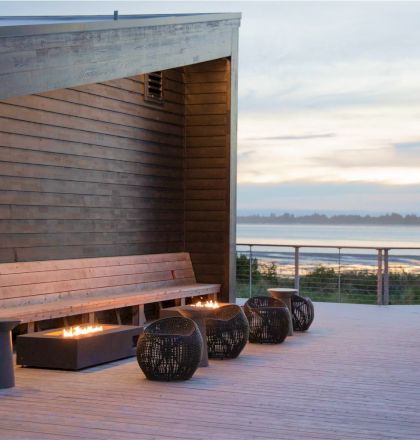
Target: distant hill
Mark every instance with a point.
(341, 219)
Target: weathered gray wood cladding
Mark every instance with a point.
(90, 168)
(95, 170)
(207, 180)
(39, 58)
(92, 171)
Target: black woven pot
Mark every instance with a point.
(269, 320)
(170, 349)
(227, 332)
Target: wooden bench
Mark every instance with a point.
(34, 291)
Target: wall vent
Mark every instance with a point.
(153, 87)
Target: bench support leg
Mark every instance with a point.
(139, 318)
(31, 327)
(86, 318)
(117, 313)
(92, 318)
(182, 301)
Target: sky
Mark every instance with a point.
(329, 100)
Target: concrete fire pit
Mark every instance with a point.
(51, 349)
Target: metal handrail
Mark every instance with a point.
(330, 246)
(382, 263)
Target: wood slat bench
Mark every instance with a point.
(34, 291)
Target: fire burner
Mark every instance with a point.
(78, 347)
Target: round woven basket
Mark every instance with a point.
(227, 332)
(170, 349)
(269, 320)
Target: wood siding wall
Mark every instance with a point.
(207, 206)
(92, 171)
(95, 171)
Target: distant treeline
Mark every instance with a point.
(341, 219)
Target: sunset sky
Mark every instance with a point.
(329, 100)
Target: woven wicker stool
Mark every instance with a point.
(302, 313)
(269, 320)
(170, 349)
(227, 332)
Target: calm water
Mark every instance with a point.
(334, 235)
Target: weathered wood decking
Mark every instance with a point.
(355, 375)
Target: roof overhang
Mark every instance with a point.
(38, 54)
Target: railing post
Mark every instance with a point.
(339, 275)
(250, 270)
(297, 276)
(379, 297)
(386, 278)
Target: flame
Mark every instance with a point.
(208, 304)
(77, 331)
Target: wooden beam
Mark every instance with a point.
(105, 54)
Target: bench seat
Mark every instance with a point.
(68, 307)
(52, 289)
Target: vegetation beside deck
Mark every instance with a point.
(327, 284)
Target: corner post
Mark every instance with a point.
(297, 270)
(379, 299)
(250, 271)
(339, 275)
(233, 162)
(386, 278)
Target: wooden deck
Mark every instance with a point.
(354, 375)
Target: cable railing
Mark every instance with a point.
(356, 274)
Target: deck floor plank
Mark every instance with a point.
(354, 375)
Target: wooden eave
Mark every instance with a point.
(36, 58)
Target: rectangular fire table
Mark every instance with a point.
(168, 312)
(51, 349)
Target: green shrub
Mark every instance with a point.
(326, 284)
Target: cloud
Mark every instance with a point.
(385, 157)
(374, 144)
(318, 197)
(337, 84)
(408, 146)
(329, 56)
(246, 155)
(292, 137)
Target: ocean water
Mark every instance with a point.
(331, 235)
(394, 237)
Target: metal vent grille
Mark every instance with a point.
(153, 90)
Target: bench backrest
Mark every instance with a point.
(46, 281)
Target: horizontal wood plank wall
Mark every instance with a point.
(92, 171)
(207, 170)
